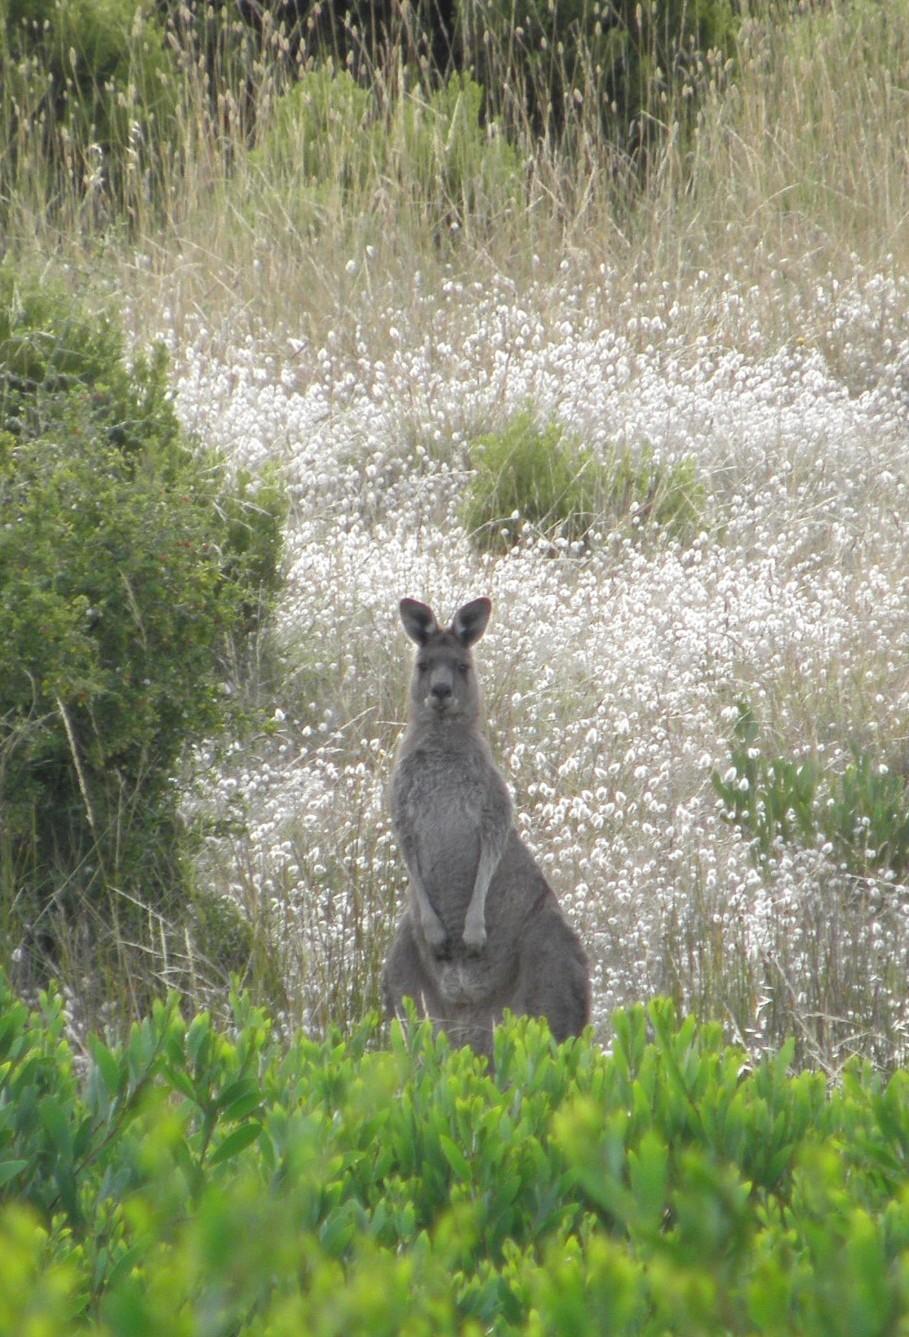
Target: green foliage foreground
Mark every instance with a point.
(200, 1181)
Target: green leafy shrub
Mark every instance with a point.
(330, 137)
(358, 35)
(204, 1179)
(224, 934)
(643, 493)
(634, 62)
(866, 817)
(130, 568)
(541, 477)
(772, 799)
(863, 813)
(459, 160)
(530, 475)
(322, 130)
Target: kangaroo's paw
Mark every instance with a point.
(435, 935)
(474, 936)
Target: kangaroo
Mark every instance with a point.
(483, 930)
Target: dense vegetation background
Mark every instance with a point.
(600, 309)
(509, 198)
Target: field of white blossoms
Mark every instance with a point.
(616, 670)
(380, 282)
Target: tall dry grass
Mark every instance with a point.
(795, 169)
(798, 156)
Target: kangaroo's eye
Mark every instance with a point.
(464, 668)
(421, 666)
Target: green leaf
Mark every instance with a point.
(237, 1091)
(648, 1169)
(9, 1170)
(454, 1156)
(113, 1072)
(198, 1039)
(242, 1107)
(56, 1125)
(235, 1142)
(83, 1136)
(181, 1082)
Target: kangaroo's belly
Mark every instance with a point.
(448, 851)
(475, 988)
(439, 803)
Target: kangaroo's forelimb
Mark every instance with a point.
(432, 927)
(493, 839)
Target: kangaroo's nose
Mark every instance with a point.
(441, 690)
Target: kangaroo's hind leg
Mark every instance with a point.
(405, 976)
(553, 977)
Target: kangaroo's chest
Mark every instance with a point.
(438, 806)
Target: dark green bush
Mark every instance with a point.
(95, 77)
(358, 35)
(862, 813)
(330, 135)
(528, 474)
(635, 62)
(131, 566)
(867, 817)
(772, 799)
(542, 477)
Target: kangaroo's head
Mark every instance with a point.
(444, 685)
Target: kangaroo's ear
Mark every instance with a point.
(470, 621)
(419, 620)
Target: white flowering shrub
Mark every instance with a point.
(612, 676)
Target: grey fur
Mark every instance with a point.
(483, 931)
